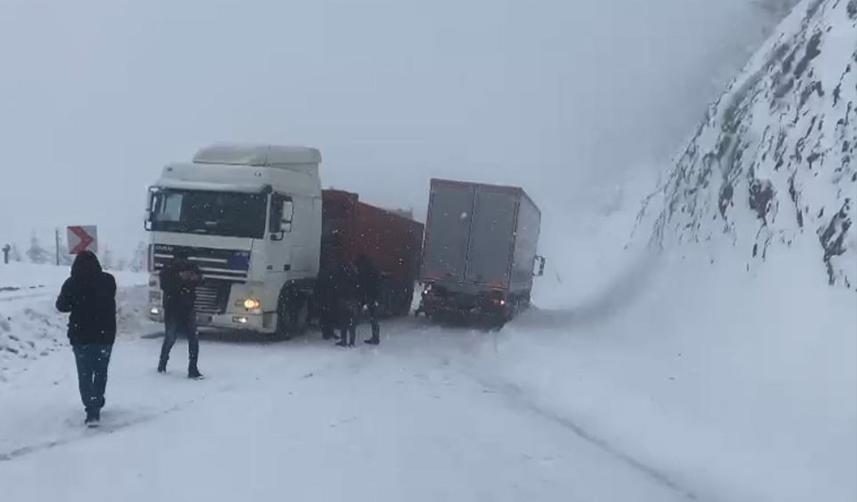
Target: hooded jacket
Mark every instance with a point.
(89, 295)
(180, 293)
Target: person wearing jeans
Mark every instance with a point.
(179, 280)
(89, 296)
(92, 360)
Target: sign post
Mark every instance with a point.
(82, 238)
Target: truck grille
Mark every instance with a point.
(211, 298)
(224, 264)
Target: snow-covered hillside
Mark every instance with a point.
(774, 162)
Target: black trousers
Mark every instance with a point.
(372, 317)
(92, 361)
(180, 325)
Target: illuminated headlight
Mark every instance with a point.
(252, 304)
(154, 311)
(240, 320)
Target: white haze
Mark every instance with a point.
(563, 97)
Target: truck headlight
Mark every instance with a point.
(252, 304)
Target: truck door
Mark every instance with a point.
(447, 232)
(492, 237)
(280, 239)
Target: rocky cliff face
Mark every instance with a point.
(774, 161)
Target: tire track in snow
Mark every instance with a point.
(84, 433)
(106, 428)
(515, 395)
(88, 433)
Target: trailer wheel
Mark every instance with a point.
(292, 314)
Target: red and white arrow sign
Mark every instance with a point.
(82, 238)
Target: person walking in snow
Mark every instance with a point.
(179, 280)
(89, 296)
(368, 292)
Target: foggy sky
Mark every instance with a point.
(557, 96)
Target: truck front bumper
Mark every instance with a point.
(257, 323)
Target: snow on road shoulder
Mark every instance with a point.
(722, 379)
(31, 328)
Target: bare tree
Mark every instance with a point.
(140, 260)
(107, 258)
(15, 254)
(36, 253)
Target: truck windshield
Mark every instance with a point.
(204, 212)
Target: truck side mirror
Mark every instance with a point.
(288, 213)
(540, 261)
(282, 211)
(150, 207)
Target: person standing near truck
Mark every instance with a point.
(325, 297)
(347, 303)
(179, 280)
(89, 296)
(369, 292)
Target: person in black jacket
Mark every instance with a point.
(369, 292)
(326, 302)
(179, 280)
(89, 295)
(347, 303)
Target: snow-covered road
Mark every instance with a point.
(304, 420)
(611, 400)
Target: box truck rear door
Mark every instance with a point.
(447, 232)
(492, 237)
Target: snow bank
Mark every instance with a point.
(30, 327)
(29, 276)
(717, 377)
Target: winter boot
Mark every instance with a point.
(162, 366)
(372, 341)
(92, 418)
(193, 372)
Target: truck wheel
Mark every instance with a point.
(292, 314)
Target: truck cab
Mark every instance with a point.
(249, 216)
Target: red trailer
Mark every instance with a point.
(392, 243)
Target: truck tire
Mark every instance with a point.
(292, 314)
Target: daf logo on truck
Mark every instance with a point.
(251, 218)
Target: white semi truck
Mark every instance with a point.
(256, 222)
(250, 217)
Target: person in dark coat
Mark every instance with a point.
(179, 280)
(326, 302)
(89, 296)
(369, 293)
(347, 303)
